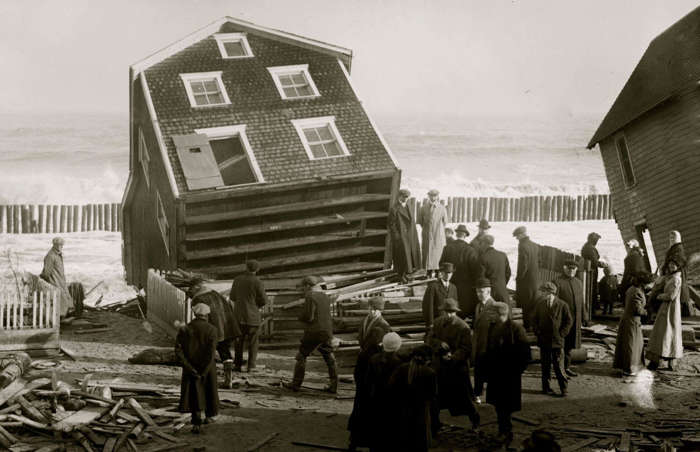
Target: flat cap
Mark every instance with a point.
(391, 342)
(450, 305)
(405, 192)
(481, 283)
(549, 287)
(377, 302)
(201, 309)
(434, 192)
(310, 280)
(447, 267)
(484, 224)
(519, 230)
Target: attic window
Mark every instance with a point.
(234, 157)
(205, 89)
(623, 154)
(320, 138)
(233, 45)
(294, 82)
(163, 222)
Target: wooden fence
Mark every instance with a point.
(29, 321)
(166, 303)
(43, 218)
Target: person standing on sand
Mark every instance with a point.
(551, 323)
(436, 293)
(464, 258)
(248, 296)
(570, 290)
(195, 347)
(54, 274)
(318, 334)
(526, 278)
(676, 252)
(666, 340)
(629, 349)
(404, 237)
(634, 263)
(432, 218)
(496, 269)
(485, 315)
(608, 291)
(484, 227)
(590, 253)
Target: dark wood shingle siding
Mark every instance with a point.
(664, 146)
(255, 102)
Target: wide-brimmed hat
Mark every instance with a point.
(484, 224)
(450, 305)
(447, 267)
(434, 192)
(391, 342)
(463, 229)
(481, 283)
(549, 287)
(519, 230)
(201, 309)
(377, 302)
(405, 192)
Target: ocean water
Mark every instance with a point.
(82, 158)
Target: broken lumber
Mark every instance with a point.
(140, 411)
(317, 446)
(30, 411)
(625, 442)
(93, 330)
(262, 442)
(82, 440)
(8, 435)
(580, 445)
(113, 412)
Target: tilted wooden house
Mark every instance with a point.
(252, 143)
(650, 142)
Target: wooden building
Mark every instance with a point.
(650, 142)
(252, 143)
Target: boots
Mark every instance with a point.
(299, 371)
(332, 375)
(228, 374)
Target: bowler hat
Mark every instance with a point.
(447, 267)
(519, 230)
(484, 224)
(252, 265)
(201, 309)
(433, 192)
(482, 282)
(570, 263)
(549, 287)
(405, 192)
(310, 280)
(377, 302)
(450, 305)
(462, 228)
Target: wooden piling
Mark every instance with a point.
(116, 223)
(55, 219)
(3, 219)
(76, 218)
(62, 221)
(95, 218)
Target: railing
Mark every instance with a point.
(42, 218)
(166, 303)
(29, 321)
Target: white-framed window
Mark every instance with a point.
(294, 82)
(163, 225)
(144, 157)
(233, 45)
(233, 154)
(623, 155)
(320, 137)
(205, 89)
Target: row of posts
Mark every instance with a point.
(42, 218)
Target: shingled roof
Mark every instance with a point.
(670, 63)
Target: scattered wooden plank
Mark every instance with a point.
(30, 411)
(165, 436)
(28, 422)
(580, 445)
(5, 442)
(137, 430)
(8, 435)
(84, 416)
(166, 447)
(128, 417)
(11, 390)
(69, 353)
(262, 442)
(92, 330)
(625, 439)
(78, 436)
(98, 440)
(10, 408)
(318, 446)
(140, 411)
(115, 409)
(132, 445)
(50, 448)
(110, 444)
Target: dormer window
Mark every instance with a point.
(320, 138)
(294, 82)
(205, 89)
(233, 45)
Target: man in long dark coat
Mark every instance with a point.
(53, 273)
(484, 317)
(318, 334)
(248, 297)
(590, 253)
(496, 269)
(195, 347)
(507, 357)
(526, 283)
(634, 263)
(551, 323)
(570, 290)
(450, 339)
(465, 260)
(405, 248)
(370, 335)
(436, 293)
(477, 242)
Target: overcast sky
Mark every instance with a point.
(417, 57)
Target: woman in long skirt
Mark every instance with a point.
(666, 340)
(629, 351)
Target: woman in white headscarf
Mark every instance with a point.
(676, 252)
(666, 340)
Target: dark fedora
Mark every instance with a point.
(463, 229)
(450, 305)
(484, 224)
(447, 267)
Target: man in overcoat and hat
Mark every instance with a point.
(195, 348)
(318, 334)
(432, 218)
(54, 273)
(466, 268)
(477, 242)
(405, 248)
(485, 315)
(570, 290)
(551, 323)
(496, 269)
(436, 293)
(451, 342)
(248, 296)
(526, 277)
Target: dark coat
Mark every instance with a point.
(590, 253)
(677, 253)
(507, 357)
(316, 314)
(497, 270)
(404, 239)
(195, 347)
(248, 296)
(629, 349)
(433, 299)
(526, 284)
(381, 409)
(221, 316)
(478, 241)
(608, 290)
(571, 292)
(551, 324)
(454, 332)
(634, 262)
(467, 271)
(413, 403)
(54, 274)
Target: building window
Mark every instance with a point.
(144, 157)
(320, 138)
(163, 222)
(205, 89)
(623, 155)
(233, 154)
(233, 45)
(294, 82)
